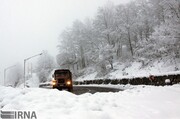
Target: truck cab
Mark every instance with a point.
(62, 79)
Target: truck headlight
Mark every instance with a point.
(68, 82)
(53, 82)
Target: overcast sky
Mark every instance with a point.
(29, 26)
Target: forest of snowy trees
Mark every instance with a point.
(142, 30)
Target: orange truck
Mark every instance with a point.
(62, 79)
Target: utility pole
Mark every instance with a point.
(25, 66)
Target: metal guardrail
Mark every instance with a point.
(158, 80)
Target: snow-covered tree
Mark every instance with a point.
(146, 29)
(45, 65)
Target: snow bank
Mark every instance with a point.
(141, 102)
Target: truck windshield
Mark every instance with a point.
(61, 74)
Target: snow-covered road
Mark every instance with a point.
(81, 89)
(141, 102)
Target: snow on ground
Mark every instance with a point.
(136, 70)
(87, 77)
(133, 69)
(141, 102)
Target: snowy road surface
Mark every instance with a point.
(89, 89)
(92, 89)
(141, 102)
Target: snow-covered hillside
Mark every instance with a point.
(142, 102)
(133, 69)
(136, 39)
